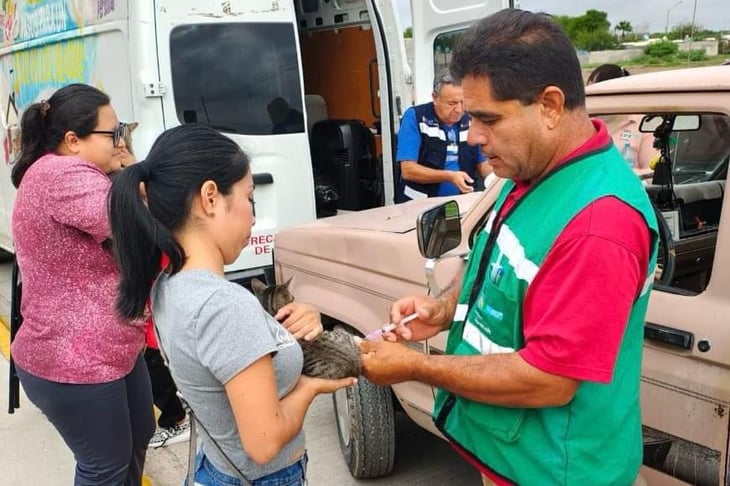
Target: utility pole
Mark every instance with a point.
(666, 25)
(692, 32)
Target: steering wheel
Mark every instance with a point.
(666, 246)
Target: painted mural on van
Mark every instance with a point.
(55, 55)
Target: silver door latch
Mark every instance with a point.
(154, 89)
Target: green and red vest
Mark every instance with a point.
(596, 438)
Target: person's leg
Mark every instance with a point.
(94, 422)
(164, 391)
(141, 417)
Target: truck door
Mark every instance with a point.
(436, 25)
(235, 66)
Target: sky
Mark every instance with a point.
(644, 15)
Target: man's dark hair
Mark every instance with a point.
(521, 53)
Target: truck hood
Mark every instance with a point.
(373, 239)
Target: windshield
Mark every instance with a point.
(697, 155)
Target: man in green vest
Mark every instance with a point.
(540, 380)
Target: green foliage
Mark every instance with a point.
(685, 30)
(408, 33)
(594, 41)
(589, 31)
(592, 20)
(661, 50)
(696, 55)
(624, 27)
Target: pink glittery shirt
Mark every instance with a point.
(70, 332)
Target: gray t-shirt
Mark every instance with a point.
(211, 330)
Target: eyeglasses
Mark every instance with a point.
(117, 134)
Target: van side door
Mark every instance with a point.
(436, 25)
(235, 66)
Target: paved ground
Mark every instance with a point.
(32, 453)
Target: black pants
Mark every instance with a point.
(107, 426)
(164, 391)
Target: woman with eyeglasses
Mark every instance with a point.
(78, 361)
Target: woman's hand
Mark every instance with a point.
(302, 320)
(321, 385)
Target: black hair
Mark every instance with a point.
(180, 161)
(73, 108)
(605, 72)
(521, 53)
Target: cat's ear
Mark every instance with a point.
(132, 125)
(288, 283)
(257, 285)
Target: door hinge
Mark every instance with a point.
(155, 89)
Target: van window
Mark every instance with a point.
(443, 44)
(237, 77)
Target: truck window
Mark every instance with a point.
(692, 204)
(237, 77)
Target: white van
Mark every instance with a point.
(263, 72)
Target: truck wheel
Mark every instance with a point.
(366, 428)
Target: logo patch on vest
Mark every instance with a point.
(499, 315)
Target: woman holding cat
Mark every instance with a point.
(238, 368)
(78, 361)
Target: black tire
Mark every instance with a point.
(366, 428)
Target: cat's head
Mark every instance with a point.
(272, 297)
(127, 134)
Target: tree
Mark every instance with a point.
(408, 33)
(589, 31)
(624, 27)
(685, 30)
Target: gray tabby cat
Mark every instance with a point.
(333, 355)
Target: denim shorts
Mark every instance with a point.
(206, 474)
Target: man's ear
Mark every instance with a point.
(209, 196)
(552, 101)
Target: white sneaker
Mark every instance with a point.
(165, 436)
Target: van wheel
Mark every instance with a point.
(366, 428)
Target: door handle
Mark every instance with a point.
(262, 179)
(668, 336)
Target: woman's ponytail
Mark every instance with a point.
(32, 142)
(139, 241)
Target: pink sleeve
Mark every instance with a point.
(79, 194)
(577, 308)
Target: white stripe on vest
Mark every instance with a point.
(431, 131)
(510, 246)
(481, 342)
(414, 194)
(463, 134)
(649, 280)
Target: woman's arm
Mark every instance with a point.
(265, 423)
